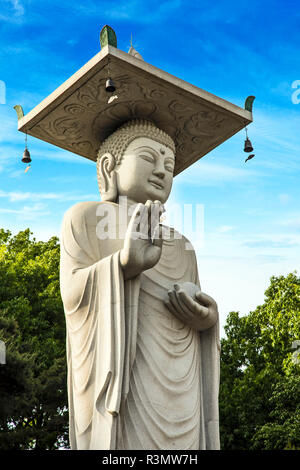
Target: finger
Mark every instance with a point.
(149, 205)
(180, 313)
(177, 306)
(153, 220)
(144, 222)
(186, 300)
(172, 310)
(184, 297)
(137, 212)
(158, 236)
(189, 307)
(204, 299)
(155, 216)
(134, 224)
(161, 206)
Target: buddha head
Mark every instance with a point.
(136, 161)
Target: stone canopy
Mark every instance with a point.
(78, 116)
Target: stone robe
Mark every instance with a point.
(138, 378)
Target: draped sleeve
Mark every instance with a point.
(210, 375)
(101, 329)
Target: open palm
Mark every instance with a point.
(143, 240)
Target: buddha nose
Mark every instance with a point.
(159, 172)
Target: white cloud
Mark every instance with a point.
(14, 13)
(16, 173)
(23, 196)
(275, 139)
(238, 283)
(210, 174)
(18, 7)
(292, 222)
(271, 243)
(33, 212)
(225, 228)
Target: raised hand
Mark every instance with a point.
(190, 305)
(143, 239)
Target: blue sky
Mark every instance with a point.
(231, 49)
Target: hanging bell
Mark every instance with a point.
(248, 146)
(26, 156)
(110, 86)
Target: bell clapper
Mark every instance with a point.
(112, 98)
(250, 157)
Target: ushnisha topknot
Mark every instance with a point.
(119, 140)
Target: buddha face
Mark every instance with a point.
(145, 171)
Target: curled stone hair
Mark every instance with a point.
(119, 140)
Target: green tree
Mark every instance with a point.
(259, 405)
(259, 393)
(283, 429)
(33, 410)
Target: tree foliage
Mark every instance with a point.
(33, 409)
(260, 393)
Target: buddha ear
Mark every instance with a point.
(107, 177)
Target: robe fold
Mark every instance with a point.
(138, 378)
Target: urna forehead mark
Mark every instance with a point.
(165, 152)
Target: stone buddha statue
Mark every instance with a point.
(142, 338)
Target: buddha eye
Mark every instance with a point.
(147, 157)
(169, 168)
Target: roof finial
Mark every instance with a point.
(132, 51)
